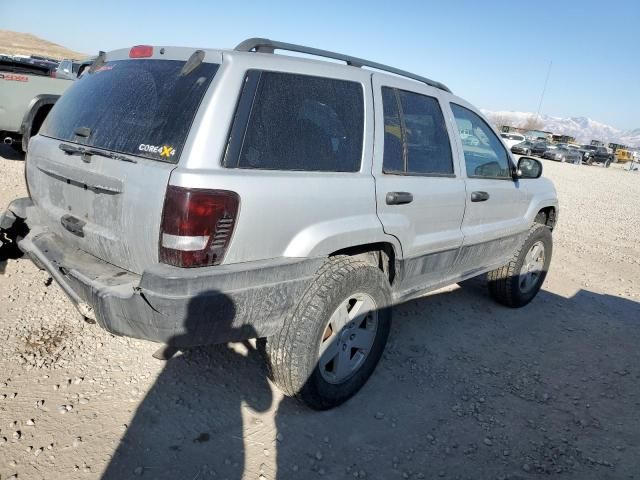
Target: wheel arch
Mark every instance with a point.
(37, 111)
(550, 216)
(382, 255)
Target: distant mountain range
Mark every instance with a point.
(14, 43)
(582, 128)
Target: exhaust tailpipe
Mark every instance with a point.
(8, 140)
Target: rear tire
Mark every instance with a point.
(520, 280)
(326, 349)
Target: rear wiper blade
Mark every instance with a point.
(73, 150)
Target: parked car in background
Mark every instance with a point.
(39, 61)
(592, 154)
(623, 155)
(68, 69)
(274, 197)
(523, 148)
(511, 139)
(27, 93)
(537, 136)
(539, 148)
(563, 154)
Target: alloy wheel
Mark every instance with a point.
(532, 267)
(348, 338)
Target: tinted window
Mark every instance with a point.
(139, 107)
(416, 139)
(484, 152)
(393, 160)
(298, 122)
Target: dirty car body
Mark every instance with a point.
(150, 130)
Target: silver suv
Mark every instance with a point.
(191, 197)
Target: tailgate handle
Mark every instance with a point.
(399, 198)
(73, 225)
(479, 196)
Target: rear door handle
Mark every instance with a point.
(399, 198)
(479, 196)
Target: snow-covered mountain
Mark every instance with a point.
(582, 128)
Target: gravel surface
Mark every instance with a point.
(466, 388)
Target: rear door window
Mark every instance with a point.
(137, 107)
(415, 136)
(297, 122)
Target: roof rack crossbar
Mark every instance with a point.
(264, 45)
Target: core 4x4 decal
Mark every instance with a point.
(164, 150)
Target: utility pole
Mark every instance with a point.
(544, 89)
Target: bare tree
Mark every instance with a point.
(499, 120)
(533, 123)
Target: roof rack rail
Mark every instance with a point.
(264, 45)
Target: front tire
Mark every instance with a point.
(332, 341)
(519, 281)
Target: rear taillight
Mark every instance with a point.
(196, 226)
(52, 73)
(141, 51)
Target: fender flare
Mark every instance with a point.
(35, 105)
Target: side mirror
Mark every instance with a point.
(528, 167)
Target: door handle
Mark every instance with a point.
(399, 198)
(479, 196)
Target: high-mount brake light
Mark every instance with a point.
(197, 225)
(141, 51)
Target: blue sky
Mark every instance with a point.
(494, 54)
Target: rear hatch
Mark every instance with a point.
(99, 169)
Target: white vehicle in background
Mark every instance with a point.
(68, 69)
(511, 139)
(27, 93)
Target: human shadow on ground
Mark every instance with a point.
(190, 424)
(467, 388)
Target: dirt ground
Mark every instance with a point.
(467, 389)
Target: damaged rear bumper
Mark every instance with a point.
(175, 306)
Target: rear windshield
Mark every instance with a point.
(138, 107)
